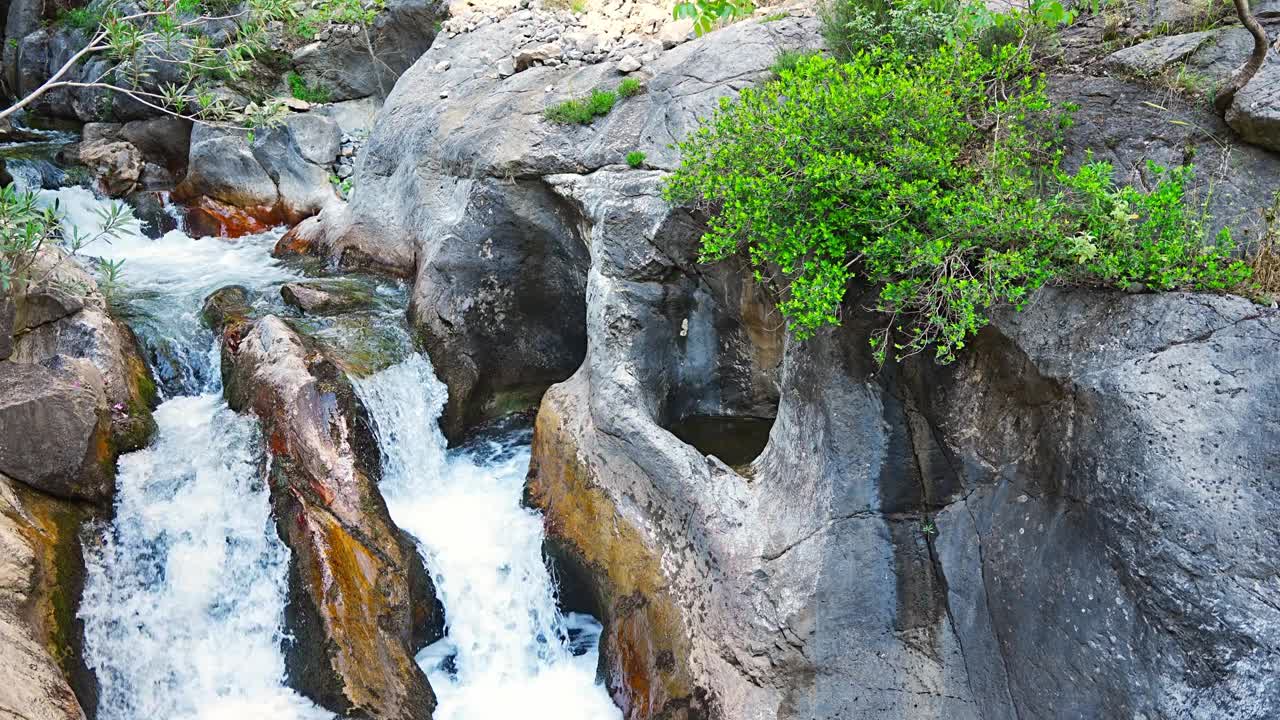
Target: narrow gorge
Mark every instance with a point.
(375, 359)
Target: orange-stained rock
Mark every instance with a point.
(353, 576)
(209, 217)
(331, 235)
(644, 643)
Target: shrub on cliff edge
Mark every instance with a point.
(935, 180)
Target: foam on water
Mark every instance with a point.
(185, 590)
(508, 652)
(184, 597)
(165, 281)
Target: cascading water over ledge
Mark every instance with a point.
(508, 651)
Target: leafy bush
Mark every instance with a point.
(300, 90)
(630, 87)
(935, 183)
(635, 158)
(916, 27)
(81, 18)
(27, 228)
(706, 13)
(911, 26)
(789, 59)
(321, 14)
(583, 111)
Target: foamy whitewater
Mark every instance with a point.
(186, 589)
(508, 652)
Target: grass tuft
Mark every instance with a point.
(635, 159)
(583, 111)
(299, 89)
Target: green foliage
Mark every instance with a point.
(936, 184)
(83, 18)
(916, 27)
(1125, 237)
(342, 185)
(706, 13)
(583, 111)
(630, 87)
(635, 158)
(27, 228)
(775, 17)
(789, 59)
(299, 89)
(325, 13)
(911, 26)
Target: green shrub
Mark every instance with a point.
(936, 184)
(635, 158)
(916, 27)
(301, 91)
(81, 18)
(583, 111)
(630, 87)
(789, 59)
(707, 13)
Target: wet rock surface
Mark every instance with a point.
(39, 564)
(352, 573)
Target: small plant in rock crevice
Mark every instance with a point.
(630, 87)
(585, 110)
(300, 90)
(635, 159)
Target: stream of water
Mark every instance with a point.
(186, 587)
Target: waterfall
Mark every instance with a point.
(508, 652)
(186, 586)
(185, 589)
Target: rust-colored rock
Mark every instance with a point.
(41, 576)
(333, 236)
(644, 639)
(351, 609)
(209, 217)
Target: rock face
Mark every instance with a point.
(456, 194)
(1128, 124)
(1204, 60)
(38, 550)
(283, 175)
(74, 394)
(77, 391)
(354, 592)
(1062, 525)
(350, 65)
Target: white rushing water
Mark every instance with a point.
(508, 652)
(185, 590)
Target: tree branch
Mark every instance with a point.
(1222, 101)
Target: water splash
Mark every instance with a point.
(508, 652)
(183, 598)
(185, 590)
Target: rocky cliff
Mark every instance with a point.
(1069, 522)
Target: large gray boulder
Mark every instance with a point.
(452, 186)
(278, 174)
(78, 392)
(53, 422)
